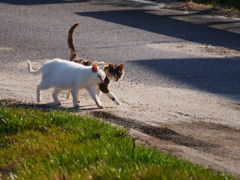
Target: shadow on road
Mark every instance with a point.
(168, 26)
(95, 2)
(214, 75)
(37, 2)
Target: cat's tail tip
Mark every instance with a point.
(76, 24)
(35, 72)
(29, 66)
(70, 31)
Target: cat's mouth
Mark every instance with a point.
(101, 82)
(116, 80)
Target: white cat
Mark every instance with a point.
(66, 75)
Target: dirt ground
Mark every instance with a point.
(204, 9)
(195, 125)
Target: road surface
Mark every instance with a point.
(182, 70)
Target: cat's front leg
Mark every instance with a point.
(94, 94)
(113, 97)
(99, 93)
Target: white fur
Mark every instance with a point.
(67, 75)
(109, 94)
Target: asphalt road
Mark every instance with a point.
(124, 32)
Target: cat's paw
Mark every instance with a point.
(76, 106)
(58, 103)
(117, 102)
(101, 106)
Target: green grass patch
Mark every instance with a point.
(233, 4)
(37, 144)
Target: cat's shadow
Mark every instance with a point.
(72, 109)
(81, 108)
(52, 106)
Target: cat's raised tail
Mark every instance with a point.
(34, 72)
(73, 53)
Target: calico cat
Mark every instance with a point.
(65, 75)
(113, 72)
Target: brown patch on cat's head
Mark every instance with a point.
(94, 68)
(111, 66)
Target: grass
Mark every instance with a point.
(233, 4)
(214, 3)
(37, 144)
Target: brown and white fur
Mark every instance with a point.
(113, 72)
(64, 75)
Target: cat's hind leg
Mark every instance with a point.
(38, 95)
(55, 94)
(41, 86)
(75, 97)
(92, 90)
(69, 94)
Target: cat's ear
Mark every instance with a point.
(111, 66)
(102, 66)
(94, 68)
(121, 67)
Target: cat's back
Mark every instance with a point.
(61, 64)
